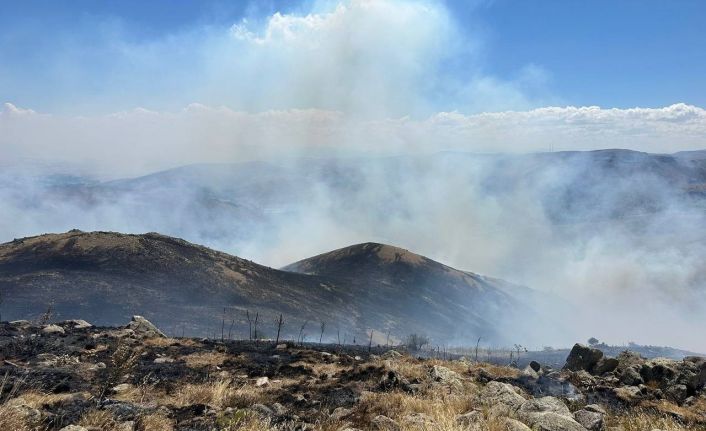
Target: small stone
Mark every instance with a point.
(125, 426)
(163, 360)
(262, 381)
(592, 421)
(73, 428)
(471, 419)
(595, 408)
(75, 324)
(340, 413)
(515, 425)
(144, 328)
(279, 409)
(53, 329)
(383, 423)
(122, 387)
(262, 409)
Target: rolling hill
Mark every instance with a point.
(106, 277)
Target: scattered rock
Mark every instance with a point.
(143, 328)
(542, 405)
(592, 421)
(446, 377)
(53, 329)
(631, 377)
(583, 358)
(163, 360)
(551, 421)
(123, 387)
(547, 414)
(418, 421)
(606, 365)
(501, 393)
(75, 324)
(595, 408)
(514, 425)
(279, 409)
(392, 379)
(471, 420)
(73, 428)
(340, 413)
(262, 409)
(381, 422)
(262, 381)
(529, 372)
(677, 393)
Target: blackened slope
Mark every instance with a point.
(107, 277)
(459, 304)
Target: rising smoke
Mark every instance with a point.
(352, 147)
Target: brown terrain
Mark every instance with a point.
(72, 376)
(187, 289)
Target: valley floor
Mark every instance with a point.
(72, 376)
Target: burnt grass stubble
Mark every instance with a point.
(305, 382)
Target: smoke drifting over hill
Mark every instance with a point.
(616, 233)
(334, 134)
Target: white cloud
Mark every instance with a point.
(140, 140)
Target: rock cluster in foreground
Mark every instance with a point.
(73, 376)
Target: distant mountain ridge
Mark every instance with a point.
(107, 276)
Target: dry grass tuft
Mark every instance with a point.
(101, 419)
(141, 394)
(495, 370)
(155, 422)
(36, 399)
(166, 342)
(13, 418)
(205, 359)
(219, 394)
(216, 394)
(438, 405)
(641, 419)
(244, 420)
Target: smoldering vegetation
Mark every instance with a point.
(617, 234)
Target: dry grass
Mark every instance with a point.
(220, 393)
(142, 394)
(495, 370)
(644, 420)
(36, 399)
(15, 419)
(166, 342)
(205, 359)
(101, 419)
(246, 421)
(409, 368)
(398, 405)
(664, 408)
(216, 394)
(155, 422)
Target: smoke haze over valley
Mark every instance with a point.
(278, 132)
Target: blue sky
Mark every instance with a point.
(88, 56)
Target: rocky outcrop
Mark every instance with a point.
(143, 328)
(583, 358)
(630, 378)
